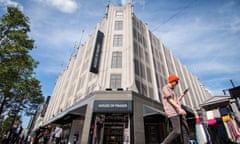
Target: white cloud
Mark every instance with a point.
(140, 2)
(200, 40)
(66, 6)
(205, 67)
(123, 2)
(235, 24)
(11, 3)
(208, 45)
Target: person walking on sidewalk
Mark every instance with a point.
(58, 134)
(174, 111)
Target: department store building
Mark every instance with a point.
(116, 77)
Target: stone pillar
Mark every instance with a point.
(75, 129)
(87, 124)
(139, 134)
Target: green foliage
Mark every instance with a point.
(19, 89)
(7, 123)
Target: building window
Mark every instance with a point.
(118, 25)
(144, 90)
(138, 84)
(115, 81)
(119, 13)
(142, 68)
(151, 93)
(141, 52)
(135, 33)
(135, 46)
(117, 60)
(136, 67)
(144, 42)
(147, 57)
(149, 74)
(117, 40)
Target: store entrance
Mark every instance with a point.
(114, 128)
(113, 133)
(110, 128)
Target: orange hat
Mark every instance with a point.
(172, 78)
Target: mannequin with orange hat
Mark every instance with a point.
(174, 111)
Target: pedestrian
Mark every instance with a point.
(176, 114)
(13, 133)
(4, 139)
(18, 133)
(52, 136)
(99, 126)
(46, 136)
(37, 134)
(58, 134)
(75, 138)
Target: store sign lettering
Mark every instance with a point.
(112, 106)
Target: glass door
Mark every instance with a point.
(113, 133)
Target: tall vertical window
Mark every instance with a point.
(118, 40)
(144, 89)
(135, 33)
(136, 67)
(142, 68)
(118, 25)
(138, 84)
(147, 57)
(115, 81)
(149, 77)
(141, 52)
(151, 93)
(135, 46)
(116, 60)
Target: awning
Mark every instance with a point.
(72, 112)
(215, 101)
(68, 115)
(148, 111)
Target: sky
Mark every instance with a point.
(203, 34)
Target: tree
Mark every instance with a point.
(20, 91)
(7, 123)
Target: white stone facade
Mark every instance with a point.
(142, 63)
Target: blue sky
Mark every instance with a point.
(203, 34)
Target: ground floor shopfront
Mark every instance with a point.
(114, 117)
(218, 121)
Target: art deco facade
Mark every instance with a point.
(117, 75)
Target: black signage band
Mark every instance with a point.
(97, 52)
